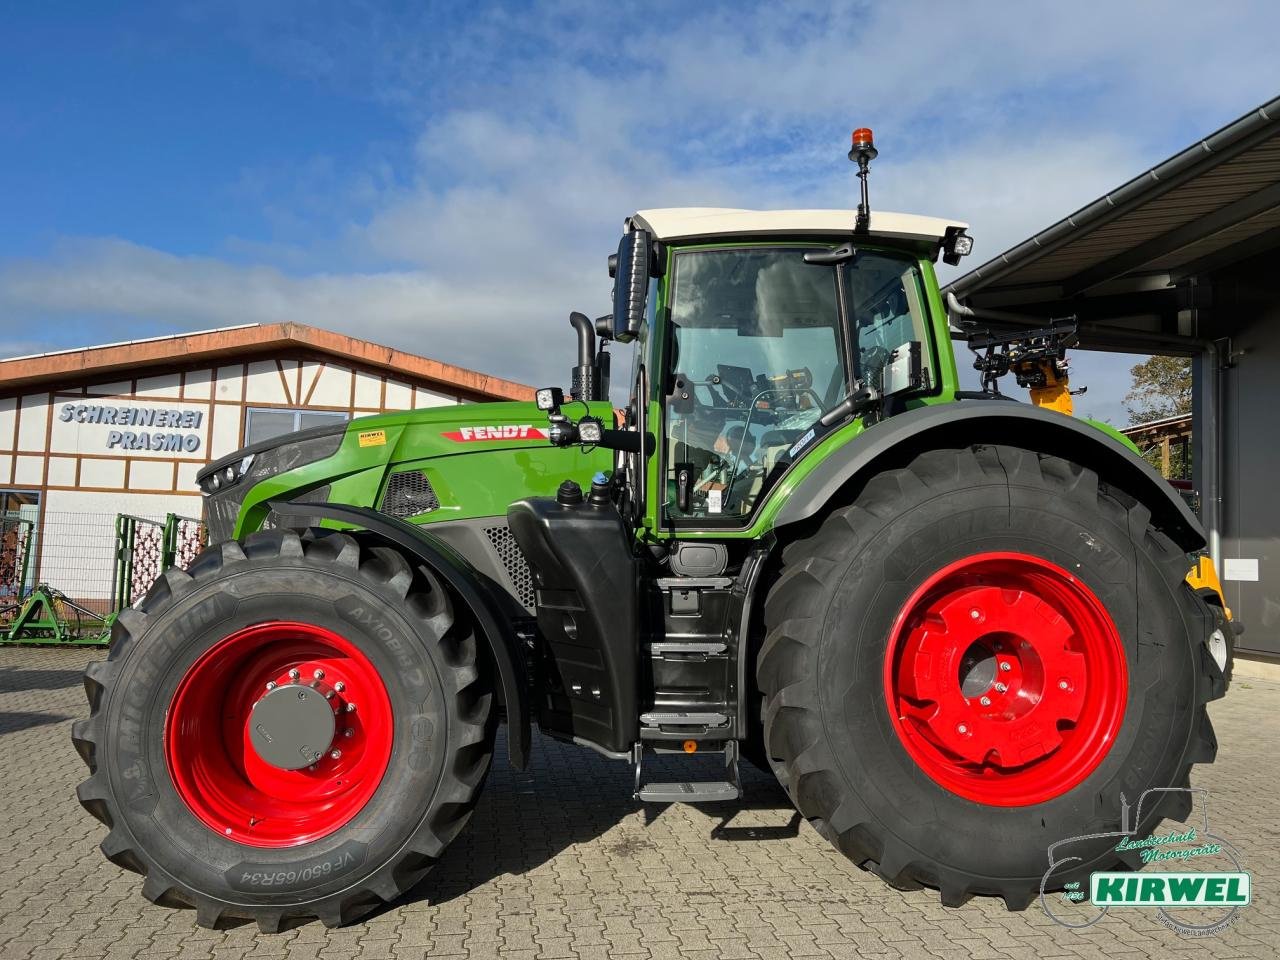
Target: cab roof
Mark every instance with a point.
(686, 223)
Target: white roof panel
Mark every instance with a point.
(674, 223)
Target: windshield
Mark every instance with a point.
(758, 353)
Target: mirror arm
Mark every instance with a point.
(862, 399)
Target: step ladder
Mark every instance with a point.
(695, 791)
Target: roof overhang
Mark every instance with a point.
(212, 346)
(1127, 263)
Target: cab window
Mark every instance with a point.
(756, 355)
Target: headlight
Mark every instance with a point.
(590, 431)
(225, 476)
(269, 457)
(548, 398)
(287, 456)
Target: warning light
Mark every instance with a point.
(862, 137)
(691, 746)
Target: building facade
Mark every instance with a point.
(86, 435)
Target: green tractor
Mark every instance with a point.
(957, 628)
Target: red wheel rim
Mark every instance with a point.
(213, 763)
(1005, 679)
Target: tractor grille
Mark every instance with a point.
(409, 494)
(513, 560)
(220, 513)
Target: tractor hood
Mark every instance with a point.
(508, 457)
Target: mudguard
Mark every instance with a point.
(894, 441)
(466, 582)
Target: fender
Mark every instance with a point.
(894, 441)
(466, 582)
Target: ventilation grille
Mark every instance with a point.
(409, 494)
(513, 560)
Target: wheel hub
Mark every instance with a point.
(292, 726)
(1006, 679)
(279, 734)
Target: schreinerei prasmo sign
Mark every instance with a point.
(150, 427)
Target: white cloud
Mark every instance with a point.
(544, 131)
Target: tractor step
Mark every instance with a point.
(686, 650)
(694, 791)
(690, 726)
(700, 792)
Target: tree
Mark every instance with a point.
(1161, 388)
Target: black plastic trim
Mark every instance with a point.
(459, 574)
(311, 433)
(956, 424)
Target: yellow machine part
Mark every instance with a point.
(1203, 576)
(1056, 393)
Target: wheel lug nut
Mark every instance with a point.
(1005, 665)
(351, 707)
(975, 614)
(349, 732)
(336, 754)
(1063, 685)
(319, 674)
(271, 684)
(1001, 688)
(962, 729)
(294, 674)
(339, 686)
(985, 701)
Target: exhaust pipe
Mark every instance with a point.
(583, 384)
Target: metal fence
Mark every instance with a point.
(16, 544)
(64, 578)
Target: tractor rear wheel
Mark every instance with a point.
(295, 727)
(973, 660)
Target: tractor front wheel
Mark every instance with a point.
(294, 728)
(971, 663)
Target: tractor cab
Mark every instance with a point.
(757, 334)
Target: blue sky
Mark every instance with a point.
(448, 177)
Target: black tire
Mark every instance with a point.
(829, 616)
(425, 652)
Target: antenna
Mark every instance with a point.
(862, 153)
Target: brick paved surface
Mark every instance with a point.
(559, 862)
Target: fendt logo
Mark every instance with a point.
(1169, 889)
(507, 431)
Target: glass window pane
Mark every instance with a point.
(266, 424)
(882, 297)
(322, 418)
(757, 341)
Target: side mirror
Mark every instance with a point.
(631, 285)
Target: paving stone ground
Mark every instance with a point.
(560, 862)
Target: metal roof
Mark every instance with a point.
(1217, 200)
(212, 346)
(680, 223)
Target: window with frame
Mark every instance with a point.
(757, 355)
